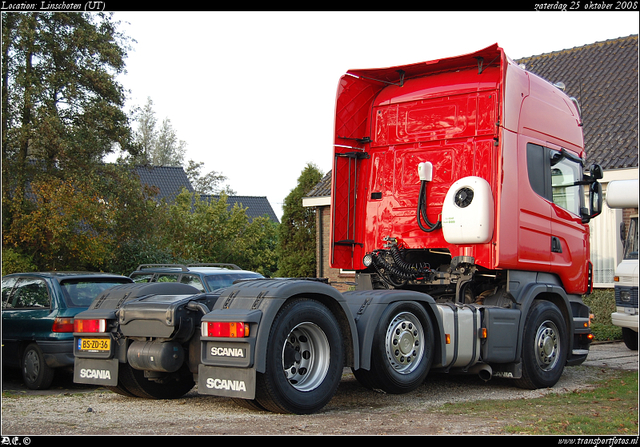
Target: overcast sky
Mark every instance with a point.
(253, 93)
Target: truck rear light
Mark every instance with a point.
(63, 324)
(99, 325)
(225, 329)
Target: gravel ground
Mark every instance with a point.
(353, 411)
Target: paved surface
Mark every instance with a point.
(612, 355)
(602, 355)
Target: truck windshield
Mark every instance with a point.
(631, 244)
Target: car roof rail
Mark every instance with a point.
(216, 264)
(183, 267)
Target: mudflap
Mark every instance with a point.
(227, 382)
(96, 371)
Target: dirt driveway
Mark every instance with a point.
(69, 409)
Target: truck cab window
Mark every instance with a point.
(553, 175)
(565, 193)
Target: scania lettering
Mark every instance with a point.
(95, 374)
(227, 352)
(461, 200)
(230, 385)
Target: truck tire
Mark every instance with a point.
(37, 375)
(545, 346)
(120, 389)
(402, 350)
(630, 338)
(304, 359)
(175, 385)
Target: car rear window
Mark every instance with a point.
(81, 292)
(225, 280)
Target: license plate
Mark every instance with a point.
(94, 344)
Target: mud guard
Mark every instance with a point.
(367, 307)
(268, 295)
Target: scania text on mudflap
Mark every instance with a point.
(461, 199)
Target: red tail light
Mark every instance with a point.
(229, 330)
(63, 324)
(90, 325)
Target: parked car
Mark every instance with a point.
(37, 319)
(204, 277)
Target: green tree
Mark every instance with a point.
(197, 230)
(161, 147)
(61, 114)
(61, 103)
(157, 147)
(207, 184)
(297, 230)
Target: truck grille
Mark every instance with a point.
(626, 296)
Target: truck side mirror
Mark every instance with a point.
(595, 199)
(596, 172)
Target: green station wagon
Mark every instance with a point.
(38, 310)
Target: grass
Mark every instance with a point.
(611, 408)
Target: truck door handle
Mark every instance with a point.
(556, 246)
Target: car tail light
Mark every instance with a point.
(227, 329)
(63, 324)
(99, 325)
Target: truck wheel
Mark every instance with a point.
(120, 389)
(174, 386)
(630, 338)
(545, 346)
(402, 350)
(304, 359)
(37, 375)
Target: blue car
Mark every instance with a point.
(37, 319)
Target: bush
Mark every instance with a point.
(15, 262)
(602, 303)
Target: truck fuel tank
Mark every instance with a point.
(461, 324)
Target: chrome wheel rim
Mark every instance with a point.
(404, 343)
(306, 356)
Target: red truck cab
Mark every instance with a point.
(506, 140)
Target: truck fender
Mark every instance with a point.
(269, 295)
(368, 305)
(114, 297)
(543, 291)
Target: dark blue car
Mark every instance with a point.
(37, 319)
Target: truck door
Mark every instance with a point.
(551, 228)
(534, 227)
(568, 247)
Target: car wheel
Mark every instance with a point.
(37, 375)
